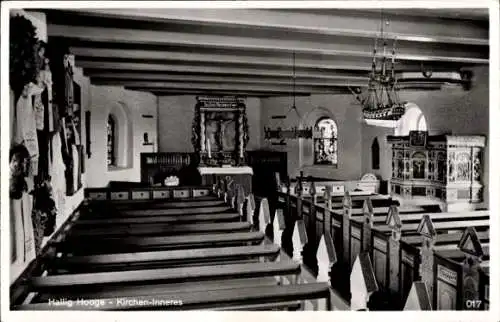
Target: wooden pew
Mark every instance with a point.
(152, 276)
(205, 299)
(396, 266)
(128, 244)
(203, 269)
(158, 288)
(130, 195)
(158, 229)
(136, 260)
(325, 255)
(113, 213)
(162, 204)
(188, 218)
(363, 282)
(453, 279)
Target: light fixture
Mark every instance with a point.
(281, 133)
(381, 104)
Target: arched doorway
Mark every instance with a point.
(412, 120)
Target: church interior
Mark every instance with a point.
(249, 159)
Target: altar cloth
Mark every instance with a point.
(225, 170)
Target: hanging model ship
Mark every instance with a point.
(381, 106)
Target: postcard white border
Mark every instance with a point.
(494, 180)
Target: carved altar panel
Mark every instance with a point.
(220, 130)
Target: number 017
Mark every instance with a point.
(473, 304)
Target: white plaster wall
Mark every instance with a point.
(300, 152)
(133, 104)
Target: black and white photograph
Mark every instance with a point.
(250, 156)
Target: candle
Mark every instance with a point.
(209, 149)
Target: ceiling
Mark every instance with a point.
(250, 51)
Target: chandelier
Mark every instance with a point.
(381, 104)
(281, 133)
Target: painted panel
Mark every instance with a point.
(200, 192)
(159, 194)
(355, 249)
(140, 195)
(447, 275)
(181, 193)
(97, 195)
(380, 266)
(120, 195)
(446, 296)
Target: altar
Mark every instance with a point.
(220, 136)
(241, 175)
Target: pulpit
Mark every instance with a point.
(444, 168)
(220, 136)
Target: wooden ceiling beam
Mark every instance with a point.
(241, 71)
(323, 62)
(350, 23)
(287, 81)
(345, 47)
(165, 91)
(224, 86)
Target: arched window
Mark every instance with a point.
(412, 120)
(325, 142)
(375, 155)
(111, 130)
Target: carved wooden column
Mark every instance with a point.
(471, 246)
(426, 229)
(346, 234)
(394, 222)
(367, 225)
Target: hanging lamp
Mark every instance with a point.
(281, 133)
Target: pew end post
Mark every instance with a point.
(278, 226)
(393, 221)
(367, 225)
(426, 269)
(264, 215)
(363, 282)
(299, 240)
(418, 298)
(470, 245)
(346, 217)
(250, 208)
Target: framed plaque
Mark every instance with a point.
(418, 138)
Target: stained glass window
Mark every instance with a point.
(325, 142)
(375, 155)
(111, 130)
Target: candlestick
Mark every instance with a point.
(209, 149)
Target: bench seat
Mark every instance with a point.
(438, 217)
(159, 229)
(447, 225)
(140, 290)
(81, 245)
(160, 219)
(205, 299)
(173, 256)
(453, 238)
(222, 271)
(157, 212)
(157, 204)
